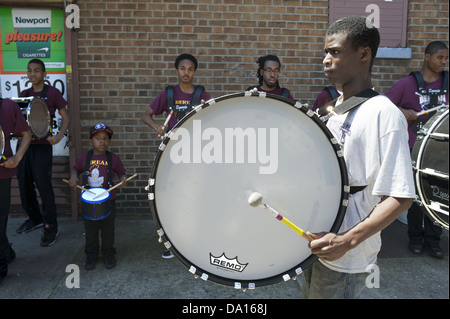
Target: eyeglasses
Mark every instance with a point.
(270, 71)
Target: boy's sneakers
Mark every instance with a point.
(49, 235)
(167, 254)
(109, 261)
(91, 262)
(28, 226)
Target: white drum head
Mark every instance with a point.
(203, 179)
(91, 196)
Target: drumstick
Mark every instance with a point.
(166, 121)
(255, 200)
(430, 110)
(115, 186)
(85, 189)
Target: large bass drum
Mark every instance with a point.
(430, 163)
(219, 154)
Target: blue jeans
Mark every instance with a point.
(322, 282)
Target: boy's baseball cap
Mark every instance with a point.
(100, 127)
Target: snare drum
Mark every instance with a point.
(94, 207)
(36, 114)
(209, 164)
(430, 162)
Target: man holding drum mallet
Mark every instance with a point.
(374, 140)
(13, 122)
(417, 96)
(98, 168)
(176, 101)
(35, 169)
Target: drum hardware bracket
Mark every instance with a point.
(192, 270)
(286, 277)
(162, 146)
(204, 277)
(160, 233)
(167, 244)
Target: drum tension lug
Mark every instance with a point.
(160, 233)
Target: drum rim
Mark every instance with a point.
(290, 273)
(97, 201)
(47, 114)
(2, 143)
(425, 207)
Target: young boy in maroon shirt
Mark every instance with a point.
(97, 176)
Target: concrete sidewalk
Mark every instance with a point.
(141, 273)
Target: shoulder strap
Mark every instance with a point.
(87, 162)
(420, 82)
(354, 101)
(332, 91)
(444, 88)
(110, 170)
(348, 104)
(197, 94)
(286, 92)
(44, 92)
(170, 98)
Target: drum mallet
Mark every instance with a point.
(165, 123)
(115, 186)
(255, 200)
(82, 188)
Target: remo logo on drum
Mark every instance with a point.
(226, 146)
(226, 263)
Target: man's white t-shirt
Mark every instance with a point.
(374, 139)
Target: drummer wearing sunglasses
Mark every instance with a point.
(374, 142)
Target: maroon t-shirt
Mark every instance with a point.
(11, 121)
(54, 100)
(159, 105)
(405, 94)
(98, 170)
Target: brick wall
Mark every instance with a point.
(127, 48)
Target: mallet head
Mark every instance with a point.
(255, 199)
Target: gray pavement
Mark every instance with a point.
(141, 273)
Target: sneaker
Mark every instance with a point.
(28, 226)
(109, 261)
(49, 235)
(91, 262)
(167, 255)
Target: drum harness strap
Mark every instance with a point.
(183, 110)
(43, 94)
(332, 91)
(343, 108)
(432, 93)
(85, 174)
